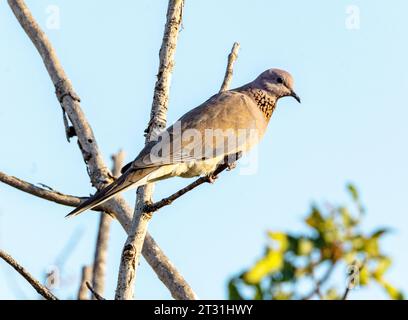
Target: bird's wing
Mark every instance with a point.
(206, 132)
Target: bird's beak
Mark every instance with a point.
(294, 95)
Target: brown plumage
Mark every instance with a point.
(197, 143)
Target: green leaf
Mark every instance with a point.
(270, 263)
(393, 292)
(315, 219)
(233, 293)
(305, 247)
(364, 276)
(382, 266)
(288, 272)
(380, 232)
(332, 294)
(282, 295)
(280, 241)
(372, 247)
(293, 243)
(358, 243)
(258, 292)
(353, 191)
(348, 220)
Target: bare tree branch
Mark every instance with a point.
(346, 293)
(42, 290)
(94, 293)
(230, 66)
(97, 169)
(158, 119)
(353, 277)
(44, 193)
(101, 249)
(86, 276)
(319, 283)
(158, 115)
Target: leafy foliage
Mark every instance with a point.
(295, 262)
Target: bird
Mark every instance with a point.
(228, 123)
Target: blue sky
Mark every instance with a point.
(351, 126)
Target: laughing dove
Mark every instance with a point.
(228, 123)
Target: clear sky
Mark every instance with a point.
(351, 126)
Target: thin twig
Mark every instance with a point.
(97, 169)
(346, 293)
(101, 248)
(42, 290)
(158, 119)
(86, 276)
(54, 196)
(230, 67)
(320, 283)
(94, 293)
(101, 253)
(353, 277)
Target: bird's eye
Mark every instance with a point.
(279, 80)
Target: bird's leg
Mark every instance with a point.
(211, 178)
(231, 166)
(110, 175)
(231, 160)
(148, 207)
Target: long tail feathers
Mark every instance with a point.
(125, 181)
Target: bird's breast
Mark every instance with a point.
(196, 168)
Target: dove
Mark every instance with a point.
(228, 123)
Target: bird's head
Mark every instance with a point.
(276, 82)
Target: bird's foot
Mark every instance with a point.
(111, 176)
(211, 178)
(148, 207)
(231, 166)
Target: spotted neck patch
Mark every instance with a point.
(265, 102)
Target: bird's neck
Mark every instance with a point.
(265, 102)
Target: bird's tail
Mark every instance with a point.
(130, 179)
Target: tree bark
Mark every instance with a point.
(158, 120)
(230, 67)
(86, 276)
(101, 249)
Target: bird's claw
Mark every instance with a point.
(111, 176)
(212, 178)
(231, 166)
